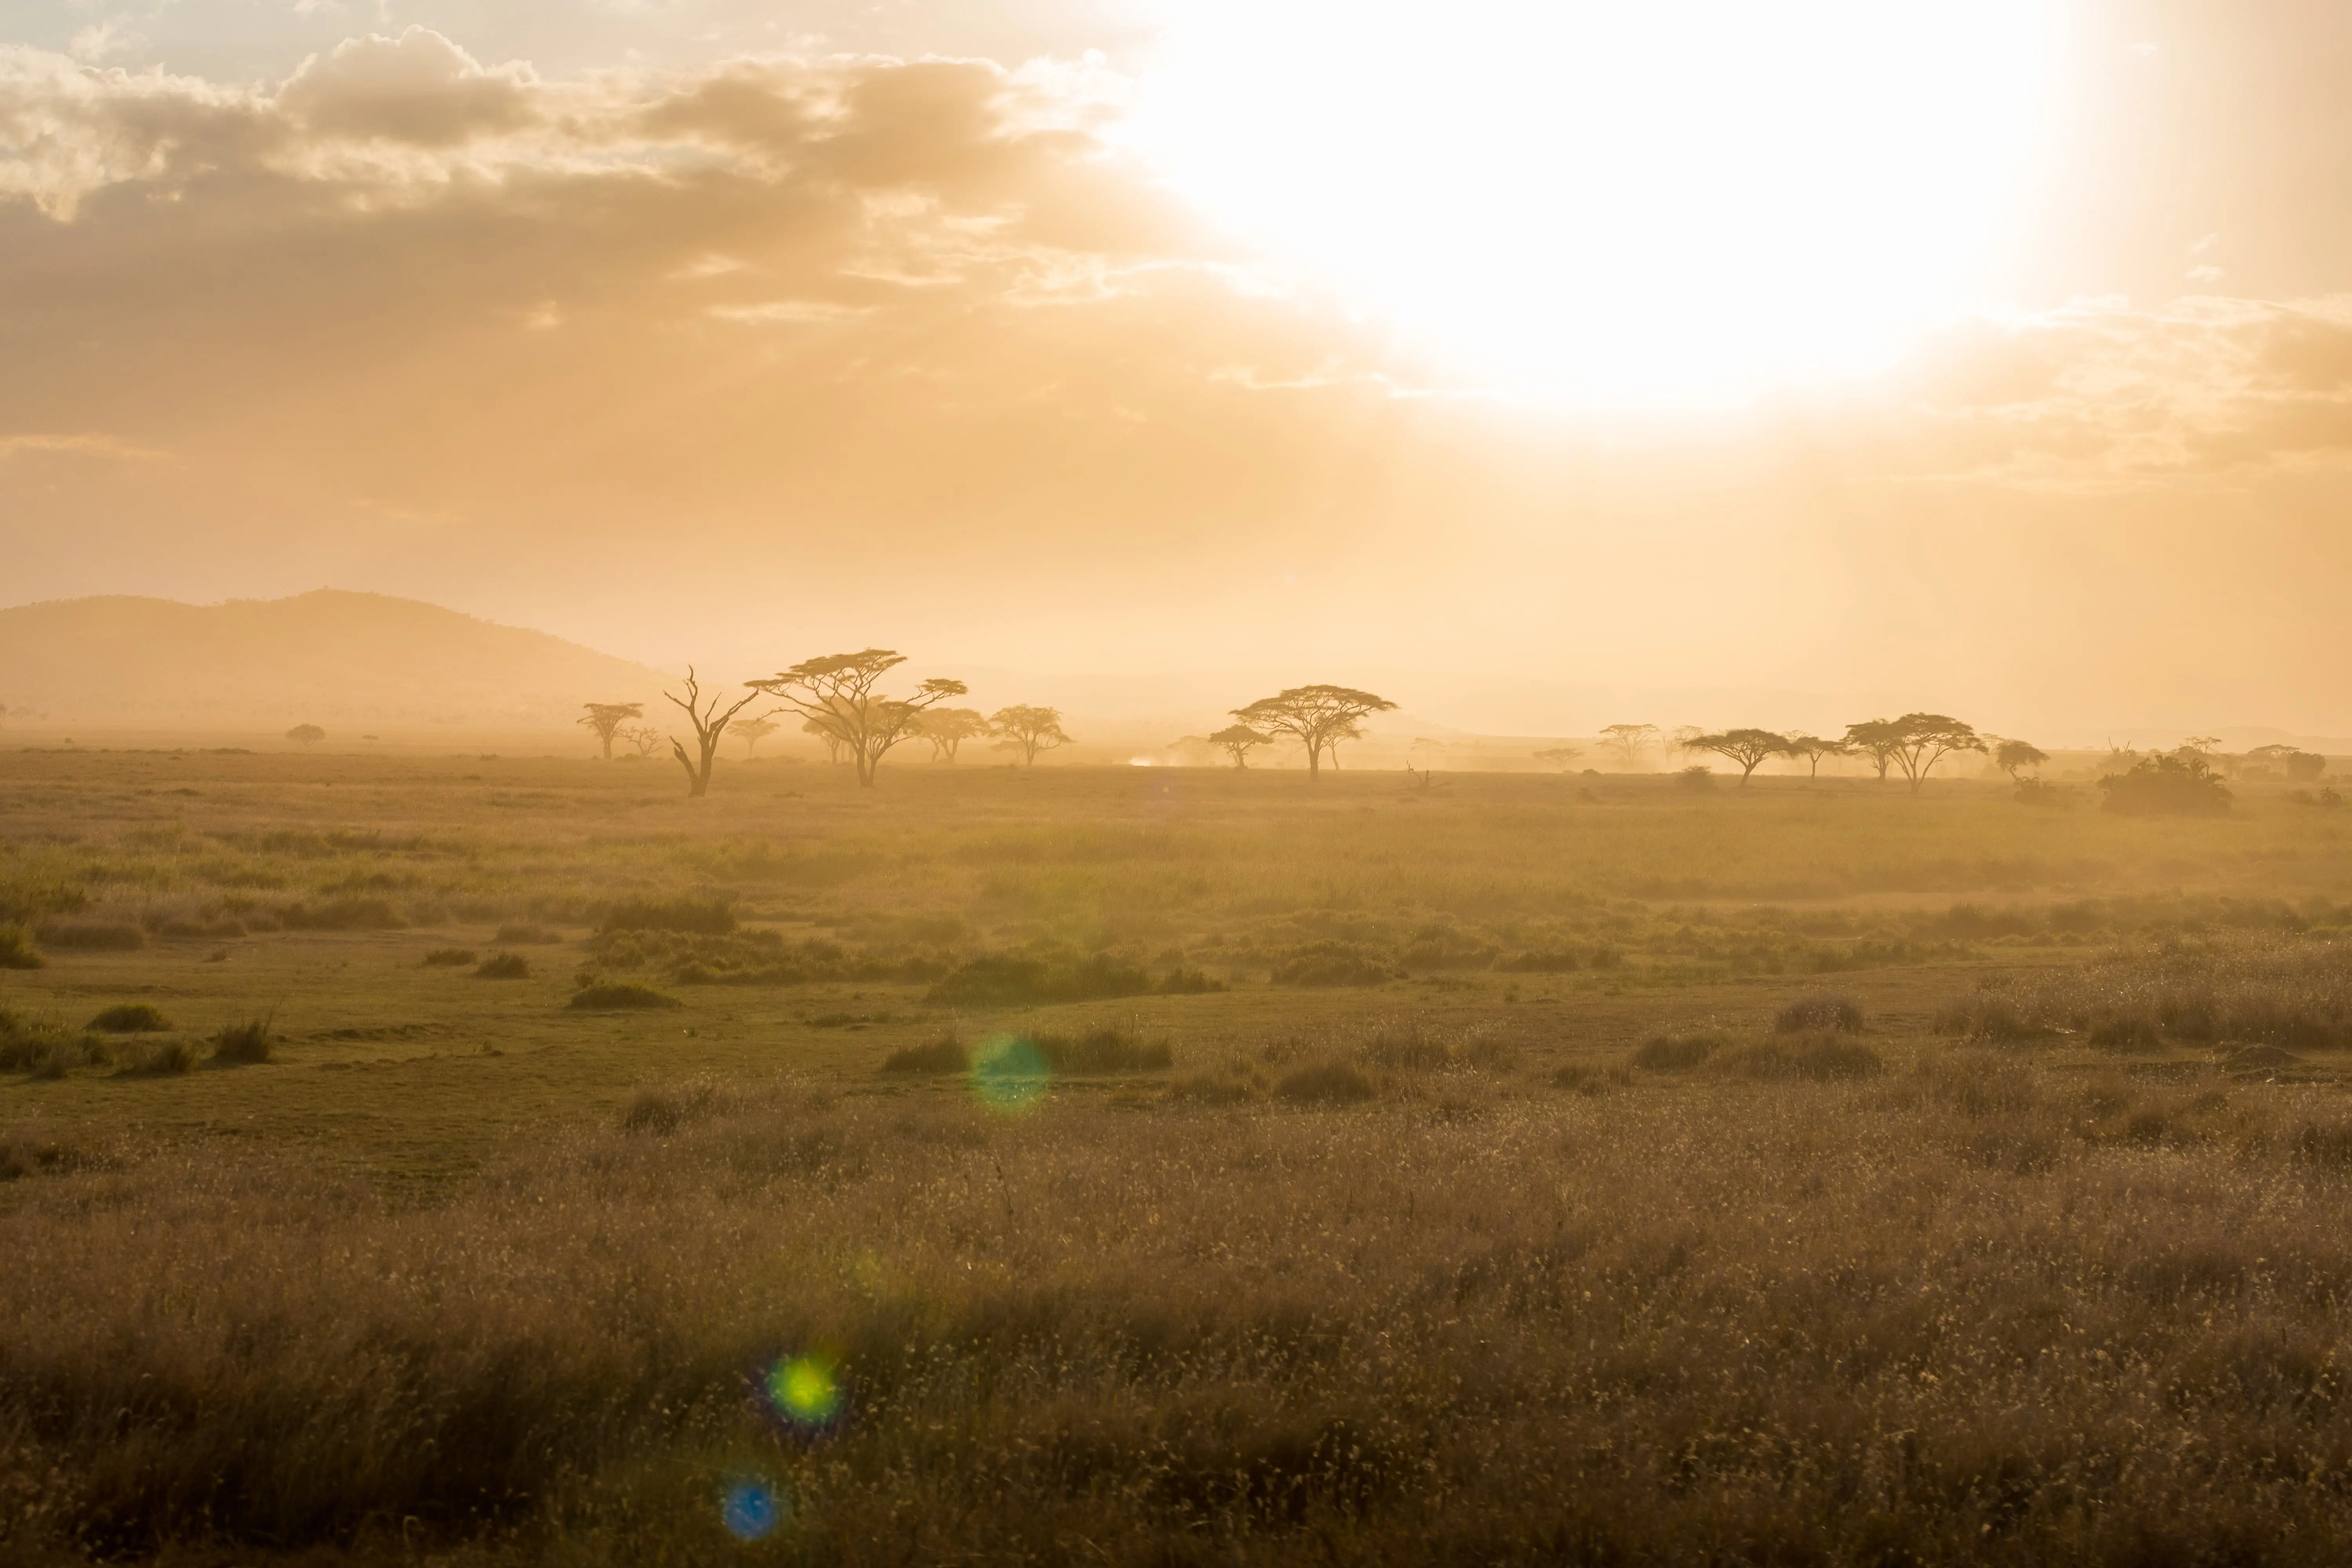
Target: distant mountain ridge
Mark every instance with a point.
(328, 657)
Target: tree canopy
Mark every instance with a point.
(1027, 731)
(1813, 748)
(948, 728)
(1237, 740)
(605, 719)
(1913, 744)
(1317, 717)
(305, 735)
(2012, 757)
(1627, 741)
(1748, 748)
(838, 696)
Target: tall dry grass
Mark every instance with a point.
(1969, 1311)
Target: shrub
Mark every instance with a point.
(1824, 1058)
(1677, 1052)
(1104, 1050)
(1822, 1011)
(16, 948)
(48, 1051)
(1547, 960)
(245, 1043)
(449, 957)
(92, 936)
(1327, 1083)
(130, 1019)
(2173, 784)
(2042, 792)
(1698, 776)
(342, 914)
(703, 916)
(1332, 963)
(942, 1057)
(168, 1059)
(662, 1112)
(504, 966)
(614, 996)
(2125, 1036)
(527, 935)
(1182, 982)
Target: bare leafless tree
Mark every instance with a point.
(710, 721)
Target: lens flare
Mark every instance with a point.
(1010, 1073)
(806, 1390)
(751, 1510)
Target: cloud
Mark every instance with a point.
(418, 88)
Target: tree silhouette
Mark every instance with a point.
(948, 727)
(1627, 741)
(1560, 757)
(644, 738)
(305, 735)
(836, 693)
(606, 719)
(753, 730)
(829, 736)
(1812, 747)
(1748, 748)
(1318, 717)
(710, 721)
(1919, 739)
(1028, 731)
(2012, 755)
(1877, 739)
(1237, 740)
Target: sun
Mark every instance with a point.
(1673, 199)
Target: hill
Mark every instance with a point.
(328, 657)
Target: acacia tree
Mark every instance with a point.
(1877, 739)
(836, 693)
(1748, 748)
(644, 738)
(948, 727)
(1317, 717)
(753, 730)
(1627, 742)
(1812, 747)
(710, 721)
(1560, 757)
(1921, 738)
(606, 719)
(1237, 740)
(828, 735)
(2012, 755)
(1027, 731)
(305, 735)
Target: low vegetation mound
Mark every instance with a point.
(1327, 1083)
(2170, 784)
(526, 934)
(2235, 988)
(1334, 963)
(130, 1019)
(1002, 980)
(92, 936)
(611, 996)
(1822, 1011)
(1105, 1050)
(1823, 1058)
(17, 948)
(1677, 1052)
(504, 966)
(244, 1045)
(450, 957)
(166, 1058)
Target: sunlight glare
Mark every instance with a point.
(1678, 200)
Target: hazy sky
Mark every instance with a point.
(1999, 354)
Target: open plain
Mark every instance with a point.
(490, 1160)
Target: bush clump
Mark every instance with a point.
(1182, 982)
(699, 916)
(2173, 784)
(450, 957)
(244, 1045)
(17, 949)
(504, 966)
(342, 914)
(130, 1019)
(942, 1058)
(615, 995)
(168, 1059)
(527, 935)
(1000, 980)
(1823, 1011)
(1677, 1052)
(1333, 963)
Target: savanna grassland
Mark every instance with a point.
(503, 1161)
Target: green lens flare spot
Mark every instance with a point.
(1010, 1073)
(805, 1389)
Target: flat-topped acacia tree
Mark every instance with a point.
(836, 694)
(1913, 744)
(1812, 747)
(1028, 731)
(948, 728)
(1748, 748)
(1317, 717)
(605, 719)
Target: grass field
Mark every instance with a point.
(1162, 1166)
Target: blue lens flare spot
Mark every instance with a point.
(805, 1389)
(751, 1510)
(1010, 1073)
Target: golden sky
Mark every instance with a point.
(1992, 357)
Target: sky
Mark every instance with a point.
(1991, 358)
